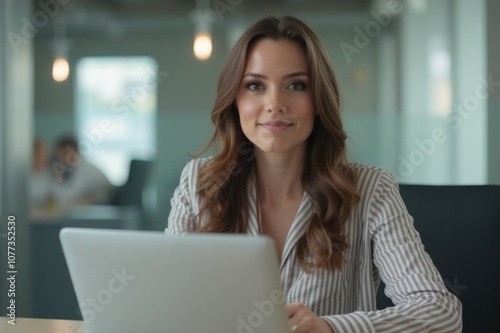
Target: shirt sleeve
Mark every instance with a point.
(423, 304)
(182, 217)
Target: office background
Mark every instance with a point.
(413, 82)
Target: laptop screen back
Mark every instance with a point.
(133, 281)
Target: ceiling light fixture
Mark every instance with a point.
(202, 46)
(60, 66)
(203, 17)
(60, 69)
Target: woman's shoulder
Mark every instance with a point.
(369, 178)
(360, 168)
(378, 189)
(193, 166)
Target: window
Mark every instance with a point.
(116, 100)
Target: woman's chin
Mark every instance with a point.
(267, 150)
(273, 149)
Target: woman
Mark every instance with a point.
(281, 170)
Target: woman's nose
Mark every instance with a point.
(275, 102)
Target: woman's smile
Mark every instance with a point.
(276, 126)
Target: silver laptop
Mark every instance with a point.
(144, 281)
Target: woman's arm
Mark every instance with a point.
(423, 304)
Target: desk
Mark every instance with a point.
(90, 216)
(31, 325)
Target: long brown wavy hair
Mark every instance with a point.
(327, 176)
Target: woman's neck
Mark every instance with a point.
(279, 177)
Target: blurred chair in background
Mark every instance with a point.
(460, 228)
(131, 193)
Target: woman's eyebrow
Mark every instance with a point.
(287, 76)
(256, 75)
(294, 74)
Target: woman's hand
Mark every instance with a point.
(302, 320)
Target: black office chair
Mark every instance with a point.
(130, 193)
(460, 228)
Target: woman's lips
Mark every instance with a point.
(276, 126)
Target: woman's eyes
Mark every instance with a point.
(253, 86)
(256, 86)
(297, 85)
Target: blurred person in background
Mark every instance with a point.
(75, 181)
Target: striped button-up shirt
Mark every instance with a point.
(382, 244)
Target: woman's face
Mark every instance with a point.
(274, 101)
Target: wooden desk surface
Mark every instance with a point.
(31, 325)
